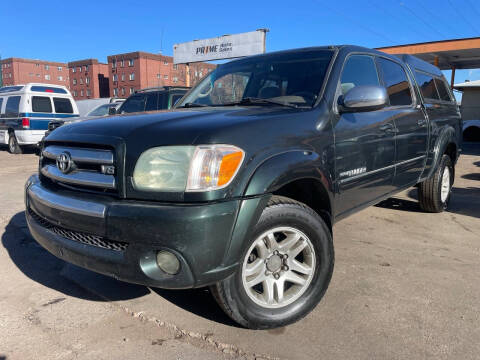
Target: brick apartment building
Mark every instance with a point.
(138, 70)
(21, 71)
(88, 79)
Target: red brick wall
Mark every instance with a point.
(21, 71)
(79, 72)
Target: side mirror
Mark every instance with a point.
(364, 98)
(112, 111)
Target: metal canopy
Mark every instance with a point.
(446, 54)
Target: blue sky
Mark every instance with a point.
(66, 31)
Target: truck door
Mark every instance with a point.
(410, 122)
(364, 142)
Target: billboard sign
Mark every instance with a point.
(222, 47)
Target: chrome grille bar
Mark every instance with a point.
(79, 155)
(84, 178)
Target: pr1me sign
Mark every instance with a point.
(223, 47)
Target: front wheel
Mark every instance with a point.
(13, 147)
(434, 193)
(284, 271)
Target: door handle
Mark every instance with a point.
(421, 122)
(388, 128)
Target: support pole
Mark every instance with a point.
(435, 61)
(187, 75)
(452, 80)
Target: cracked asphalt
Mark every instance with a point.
(405, 286)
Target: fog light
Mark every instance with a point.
(168, 262)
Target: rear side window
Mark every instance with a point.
(151, 102)
(41, 104)
(396, 82)
(427, 86)
(443, 90)
(175, 98)
(12, 107)
(62, 106)
(359, 70)
(135, 103)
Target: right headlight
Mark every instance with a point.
(187, 168)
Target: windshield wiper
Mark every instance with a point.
(256, 101)
(190, 105)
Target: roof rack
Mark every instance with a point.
(161, 88)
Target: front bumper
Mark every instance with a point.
(120, 238)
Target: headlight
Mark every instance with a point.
(187, 168)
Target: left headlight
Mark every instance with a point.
(187, 168)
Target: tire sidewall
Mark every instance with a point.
(446, 163)
(314, 228)
(12, 144)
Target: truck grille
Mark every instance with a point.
(87, 168)
(81, 237)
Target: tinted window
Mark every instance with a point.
(63, 106)
(151, 101)
(396, 82)
(426, 85)
(442, 90)
(175, 98)
(359, 70)
(101, 110)
(13, 104)
(41, 104)
(135, 103)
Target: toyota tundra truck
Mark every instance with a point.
(239, 186)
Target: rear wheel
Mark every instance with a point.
(284, 270)
(434, 193)
(13, 146)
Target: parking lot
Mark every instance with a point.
(405, 286)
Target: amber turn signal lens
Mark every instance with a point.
(228, 167)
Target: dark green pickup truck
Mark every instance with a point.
(238, 188)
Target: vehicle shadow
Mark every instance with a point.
(41, 266)
(463, 201)
(472, 176)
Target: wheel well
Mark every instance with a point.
(312, 193)
(451, 150)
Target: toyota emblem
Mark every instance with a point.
(64, 162)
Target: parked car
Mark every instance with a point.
(87, 105)
(26, 110)
(470, 109)
(152, 99)
(239, 187)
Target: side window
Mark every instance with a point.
(358, 70)
(41, 104)
(442, 90)
(12, 107)
(175, 98)
(151, 101)
(1, 103)
(396, 82)
(426, 85)
(62, 106)
(135, 103)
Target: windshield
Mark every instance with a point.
(102, 110)
(290, 78)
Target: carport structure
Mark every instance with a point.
(446, 54)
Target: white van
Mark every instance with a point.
(26, 110)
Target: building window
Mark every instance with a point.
(75, 93)
(122, 63)
(89, 92)
(47, 67)
(159, 76)
(123, 76)
(74, 69)
(30, 74)
(115, 92)
(60, 78)
(79, 69)
(86, 67)
(165, 77)
(165, 62)
(38, 75)
(132, 76)
(81, 92)
(81, 81)
(123, 91)
(175, 67)
(115, 77)
(74, 81)
(130, 63)
(37, 64)
(59, 68)
(87, 80)
(175, 79)
(132, 90)
(47, 77)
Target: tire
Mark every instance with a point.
(430, 193)
(13, 147)
(304, 229)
